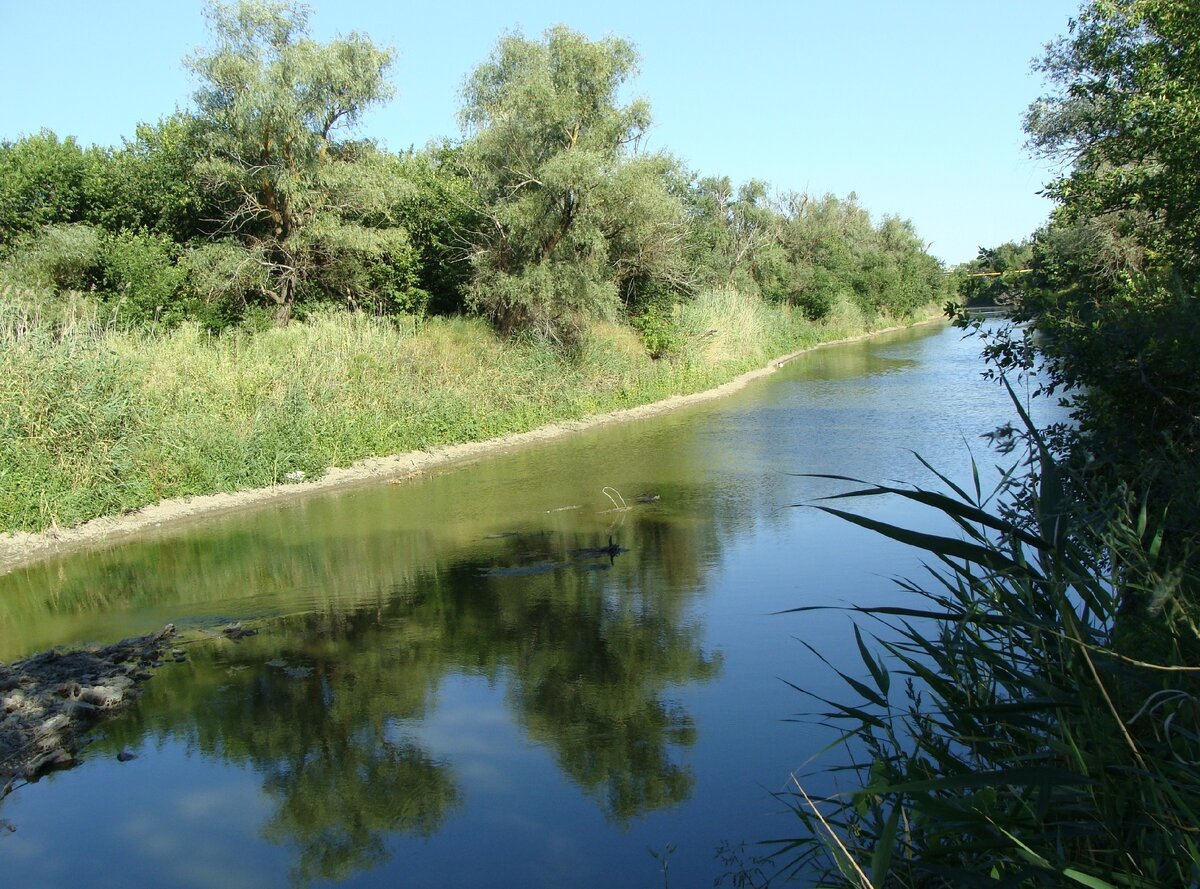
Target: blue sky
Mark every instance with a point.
(915, 106)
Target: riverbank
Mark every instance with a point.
(611, 382)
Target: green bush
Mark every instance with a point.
(222, 278)
(659, 331)
(141, 271)
(67, 256)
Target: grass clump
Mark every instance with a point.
(96, 419)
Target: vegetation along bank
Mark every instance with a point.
(247, 292)
(1044, 725)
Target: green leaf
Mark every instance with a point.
(1087, 880)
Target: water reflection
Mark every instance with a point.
(322, 705)
(420, 640)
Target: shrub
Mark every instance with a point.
(222, 276)
(65, 256)
(140, 269)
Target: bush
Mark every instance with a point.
(222, 278)
(659, 331)
(553, 302)
(140, 269)
(65, 257)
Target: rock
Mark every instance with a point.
(39, 765)
(80, 711)
(53, 725)
(125, 756)
(106, 696)
(47, 699)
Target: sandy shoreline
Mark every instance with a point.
(22, 548)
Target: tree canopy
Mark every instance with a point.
(1115, 273)
(262, 200)
(310, 210)
(570, 211)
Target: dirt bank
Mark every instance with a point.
(23, 548)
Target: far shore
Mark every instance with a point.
(23, 548)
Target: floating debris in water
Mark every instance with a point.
(587, 551)
(298, 672)
(236, 631)
(648, 498)
(564, 508)
(125, 756)
(277, 662)
(502, 535)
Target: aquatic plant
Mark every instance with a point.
(1033, 719)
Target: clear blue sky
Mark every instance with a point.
(916, 106)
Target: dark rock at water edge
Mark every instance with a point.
(48, 699)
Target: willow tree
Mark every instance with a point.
(307, 207)
(573, 217)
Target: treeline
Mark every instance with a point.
(257, 204)
(1111, 282)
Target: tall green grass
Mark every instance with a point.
(96, 419)
(1028, 720)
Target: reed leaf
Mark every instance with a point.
(1036, 743)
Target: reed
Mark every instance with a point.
(96, 418)
(1029, 720)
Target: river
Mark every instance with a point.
(456, 682)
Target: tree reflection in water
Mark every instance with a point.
(322, 704)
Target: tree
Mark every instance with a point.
(312, 211)
(1127, 114)
(1113, 291)
(44, 180)
(151, 184)
(572, 216)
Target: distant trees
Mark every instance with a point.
(997, 275)
(257, 202)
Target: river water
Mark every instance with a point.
(454, 684)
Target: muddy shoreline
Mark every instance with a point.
(23, 548)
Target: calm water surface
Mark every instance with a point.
(448, 689)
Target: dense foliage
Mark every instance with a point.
(258, 202)
(1113, 286)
